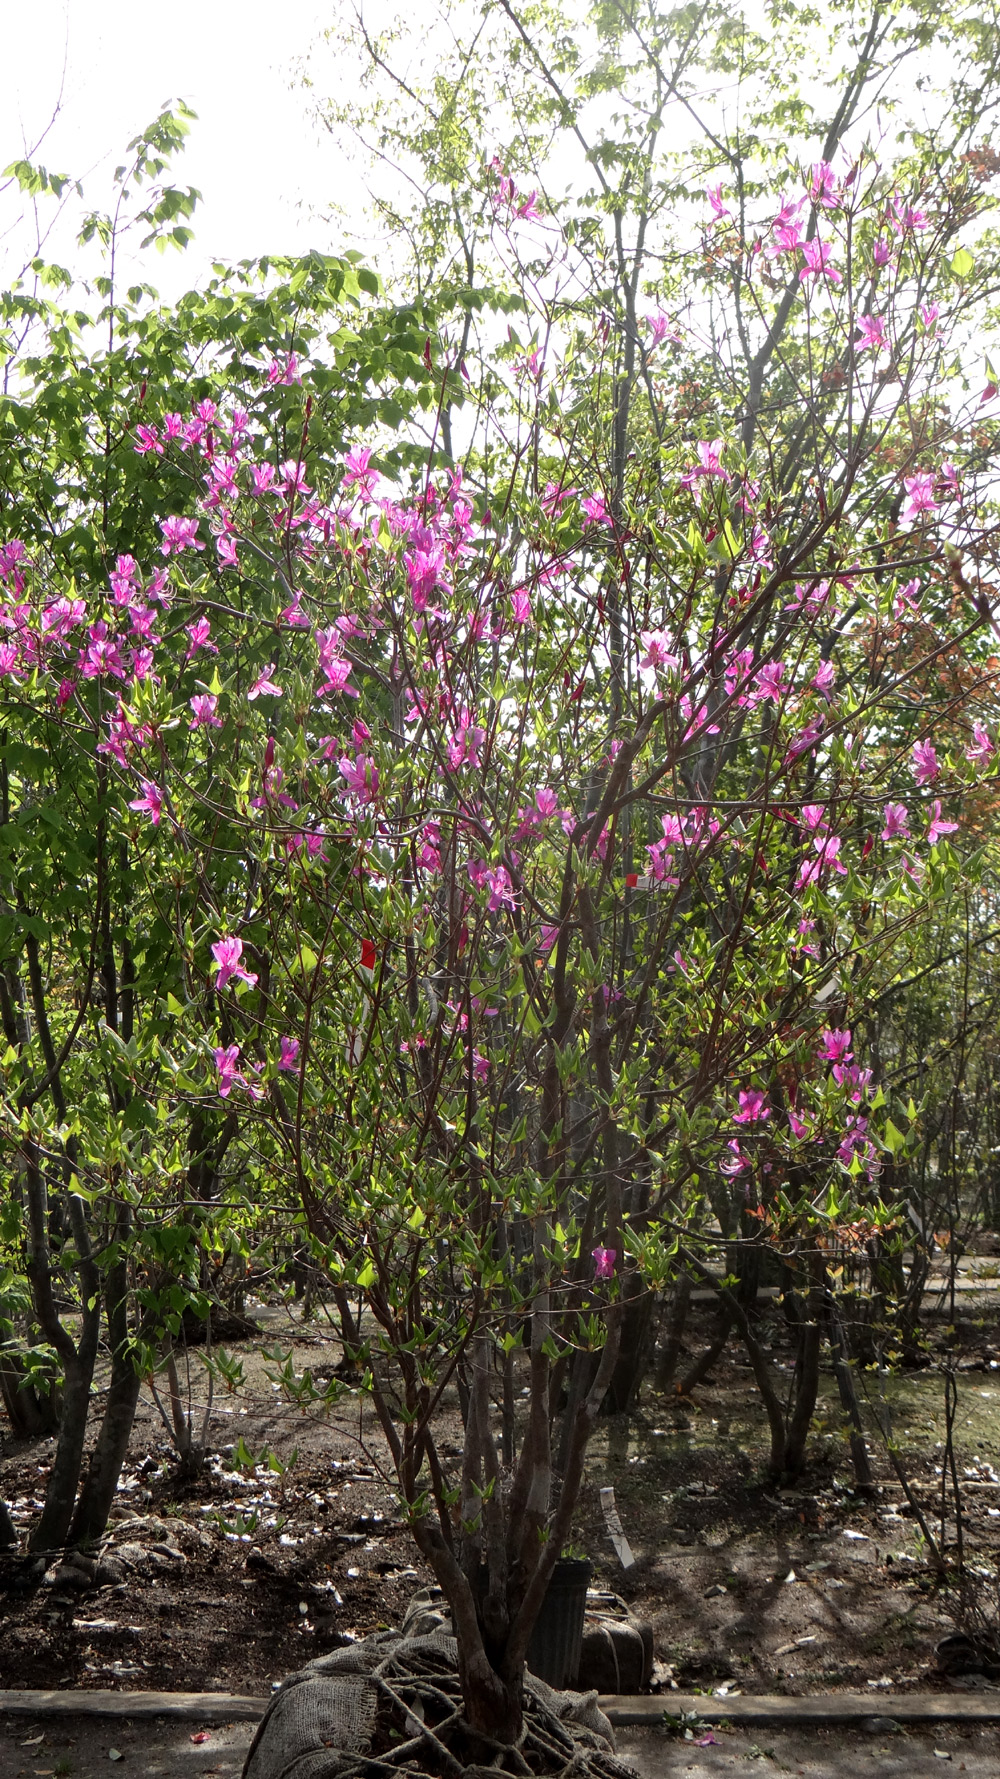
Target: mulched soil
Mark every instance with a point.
(236, 1578)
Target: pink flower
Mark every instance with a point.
(897, 822)
(148, 439)
(714, 196)
(906, 599)
(982, 747)
(925, 762)
(555, 497)
(227, 954)
(817, 257)
(661, 329)
(754, 1108)
(288, 1060)
(264, 685)
(199, 635)
(604, 1262)
(360, 776)
(151, 801)
(203, 705)
(658, 652)
(882, 251)
(595, 509)
(229, 1075)
(284, 373)
(929, 313)
(357, 473)
(873, 334)
(735, 1162)
(834, 1046)
(822, 680)
(501, 889)
(936, 826)
(827, 849)
(521, 604)
(920, 489)
(710, 459)
(796, 1126)
(179, 534)
(823, 186)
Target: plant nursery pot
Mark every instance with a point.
(556, 1641)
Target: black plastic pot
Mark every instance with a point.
(556, 1641)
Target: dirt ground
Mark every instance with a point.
(81, 1748)
(235, 1579)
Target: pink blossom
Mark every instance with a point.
(823, 186)
(179, 534)
(949, 476)
(595, 509)
(796, 1126)
(788, 237)
(817, 257)
(936, 827)
(754, 1108)
(148, 439)
(199, 635)
(284, 373)
(897, 822)
(769, 683)
(521, 605)
(882, 251)
(735, 1162)
(360, 776)
(873, 334)
(288, 1060)
(920, 489)
(604, 1262)
(555, 497)
(150, 803)
(358, 474)
(714, 196)
(834, 1046)
(827, 849)
(227, 954)
(263, 685)
(906, 599)
(822, 680)
(501, 889)
(661, 329)
(925, 762)
(203, 706)
(929, 313)
(658, 652)
(982, 747)
(229, 1075)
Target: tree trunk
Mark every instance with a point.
(638, 1331)
(676, 1324)
(64, 1477)
(494, 1702)
(108, 1456)
(32, 1415)
(860, 1458)
(8, 1530)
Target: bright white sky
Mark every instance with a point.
(265, 173)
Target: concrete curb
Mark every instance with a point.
(640, 1711)
(646, 1711)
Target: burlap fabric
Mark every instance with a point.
(322, 1722)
